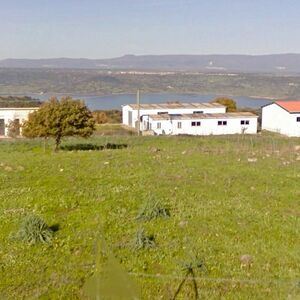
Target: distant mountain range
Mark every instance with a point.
(275, 63)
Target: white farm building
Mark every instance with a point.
(130, 111)
(282, 117)
(201, 124)
(20, 114)
(189, 118)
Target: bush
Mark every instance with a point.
(13, 128)
(143, 241)
(87, 147)
(34, 230)
(152, 209)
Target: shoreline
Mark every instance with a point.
(254, 97)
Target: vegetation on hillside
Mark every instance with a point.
(113, 116)
(93, 82)
(22, 101)
(233, 202)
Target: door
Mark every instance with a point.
(130, 118)
(2, 127)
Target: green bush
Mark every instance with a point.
(34, 230)
(143, 241)
(152, 209)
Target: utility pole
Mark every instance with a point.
(138, 106)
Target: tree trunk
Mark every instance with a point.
(57, 143)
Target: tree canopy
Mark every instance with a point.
(228, 102)
(58, 119)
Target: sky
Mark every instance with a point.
(111, 28)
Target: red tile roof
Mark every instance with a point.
(290, 106)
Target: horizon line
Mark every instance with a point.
(140, 55)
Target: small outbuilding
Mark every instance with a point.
(17, 114)
(201, 123)
(282, 117)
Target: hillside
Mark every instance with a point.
(226, 196)
(13, 101)
(95, 82)
(275, 63)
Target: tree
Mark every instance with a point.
(100, 117)
(228, 102)
(13, 128)
(58, 119)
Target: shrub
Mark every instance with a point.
(143, 241)
(13, 128)
(34, 230)
(152, 209)
(87, 147)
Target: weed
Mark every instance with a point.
(34, 230)
(143, 241)
(152, 209)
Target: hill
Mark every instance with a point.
(13, 101)
(275, 63)
(227, 197)
(101, 82)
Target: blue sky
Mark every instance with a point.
(100, 28)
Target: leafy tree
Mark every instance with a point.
(13, 128)
(58, 119)
(100, 117)
(228, 102)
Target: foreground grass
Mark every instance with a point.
(222, 206)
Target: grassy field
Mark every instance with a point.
(227, 197)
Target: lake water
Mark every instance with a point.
(116, 101)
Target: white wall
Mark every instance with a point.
(207, 127)
(127, 108)
(277, 119)
(15, 113)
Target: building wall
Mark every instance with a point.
(127, 108)
(207, 127)
(12, 114)
(277, 119)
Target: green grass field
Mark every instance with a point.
(227, 197)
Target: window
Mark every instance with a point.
(162, 113)
(179, 125)
(196, 123)
(222, 123)
(198, 112)
(158, 125)
(244, 122)
(298, 119)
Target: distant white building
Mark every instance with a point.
(282, 117)
(10, 114)
(201, 123)
(130, 111)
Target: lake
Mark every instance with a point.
(116, 101)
